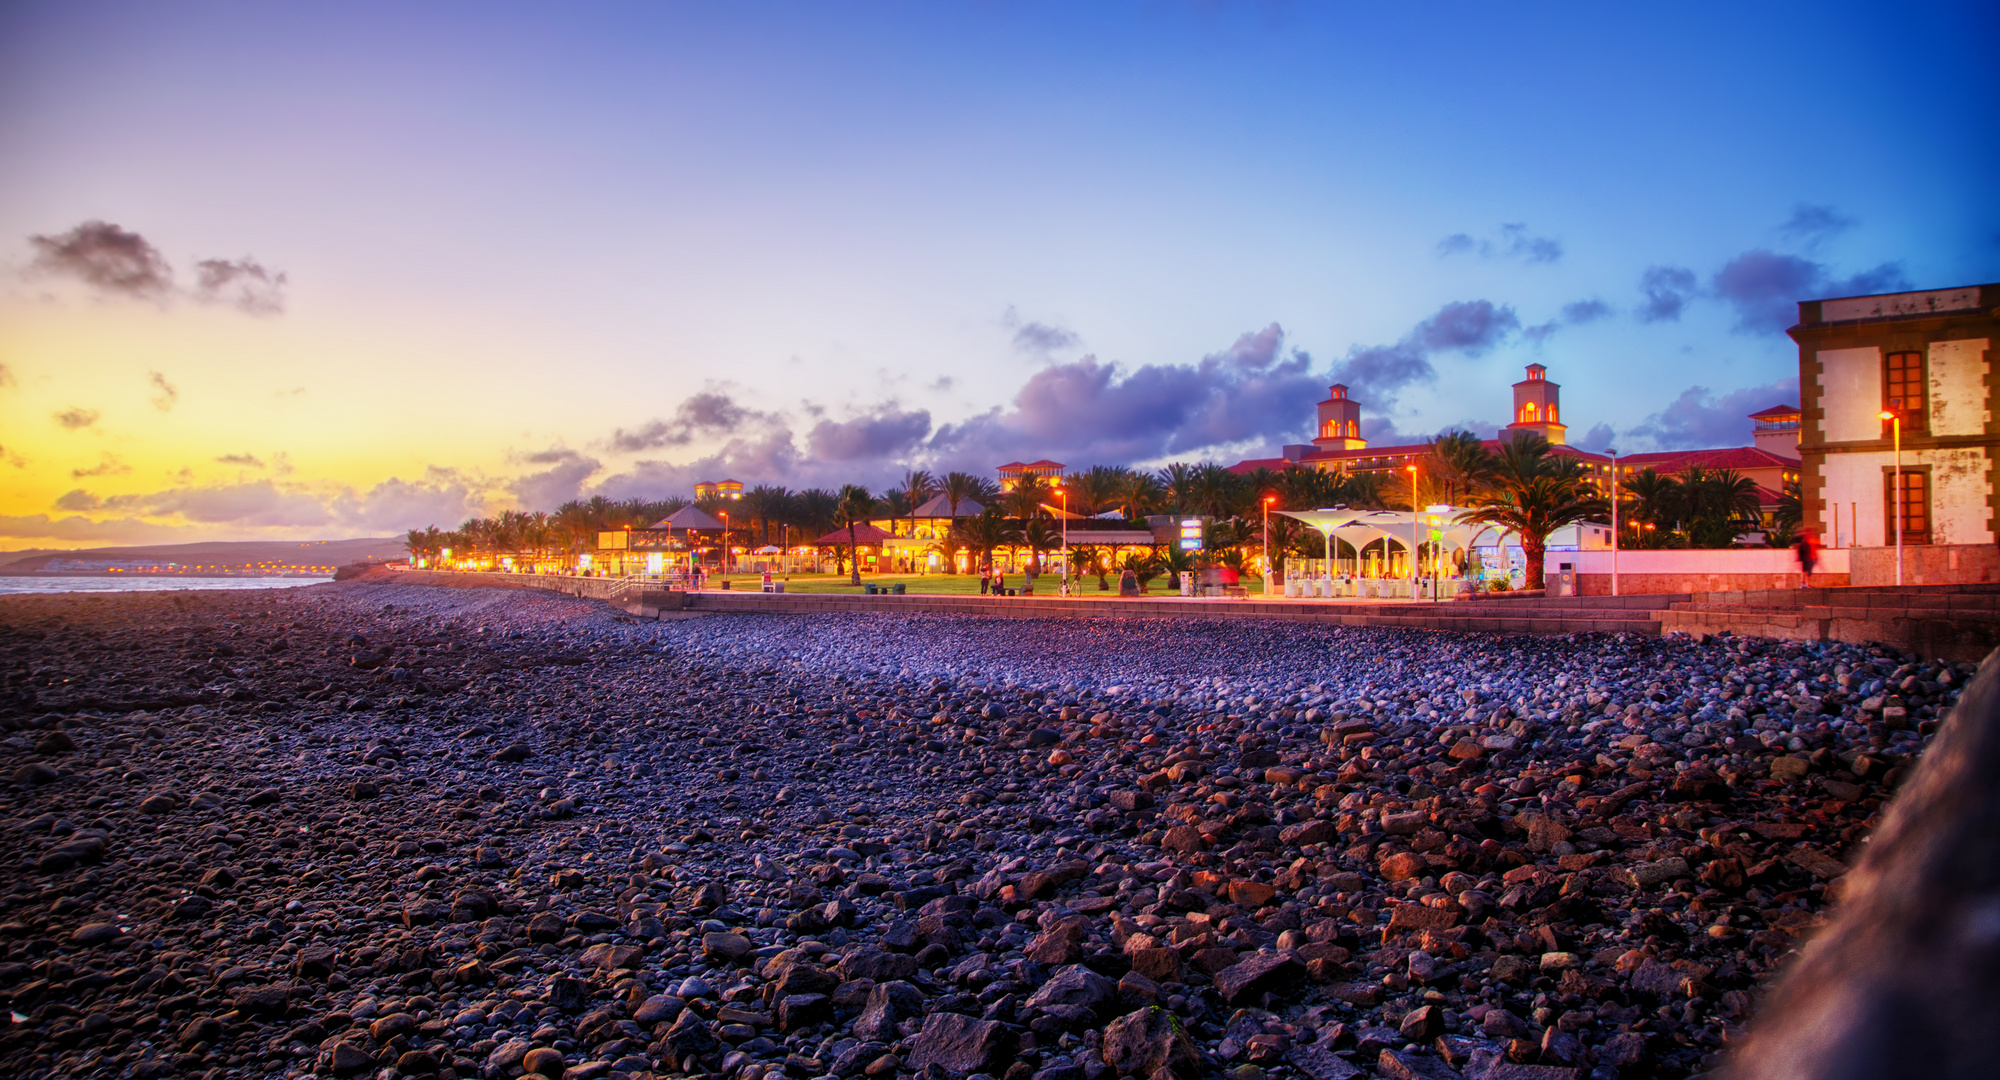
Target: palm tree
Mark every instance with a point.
(1140, 494)
(1092, 559)
(765, 505)
(918, 487)
(1720, 505)
(1029, 493)
(1216, 491)
(985, 531)
(1790, 516)
(1040, 535)
(1534, 493)
(959, 488)
(855, 507)
(1177, 480)
(1095, 490)
(1460, 464)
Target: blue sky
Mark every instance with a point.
(532, 252)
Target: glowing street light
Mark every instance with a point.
(1267, 542)
(1894, 415)
(1411, 468)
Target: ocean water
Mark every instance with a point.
(53, 583)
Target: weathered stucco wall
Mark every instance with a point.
(1959, 480)
(1853, 482)
(1851, 393)
(1958, 388)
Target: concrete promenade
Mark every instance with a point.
(1954, 622)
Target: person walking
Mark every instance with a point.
(1807, 550)
(985, 579)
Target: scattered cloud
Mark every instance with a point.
(1765, 287)
(1513, 242)
(248, 461)
(1037, 338)
(1596, 439)
(1668, 289)
(106, 258)
(1379, 372)
(242, 283)
(76, 419)
(12, 458)
(1093, 411)
(1042, 338)
(296, 391)
(108, 465)
(885, 431)
(6, 376)
(1810, 225)
(709, 413)
(1700, 418)
(1585, 311)
(116, 262)
(164, 394)
(562, 480)
(441, 496)
(1577, 313)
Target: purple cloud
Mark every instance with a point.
(242, 283)
(1668, 289)
(1698, 418)
(1765, 287)
(710, 412)
(883, 432)
(107, 258)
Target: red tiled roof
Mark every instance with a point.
(1734, 457)
(1324, 457)
(1045, 463)
(863, 534)
(1776, 412)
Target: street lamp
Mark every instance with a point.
(1268, 499)
(1614, 518)
(1412, 468)
(1063, 494)
(1894, 415)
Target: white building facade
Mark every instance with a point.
(1924, 359)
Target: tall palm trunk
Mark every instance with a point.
(853, 557)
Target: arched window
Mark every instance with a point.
(1552, 412)
(1528, 413)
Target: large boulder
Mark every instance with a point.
(1151, 1042)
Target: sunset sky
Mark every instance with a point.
(309, 271)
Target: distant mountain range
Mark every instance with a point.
(222, 557)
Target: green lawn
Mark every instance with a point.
(953, 584)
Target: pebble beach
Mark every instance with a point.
(369, 829)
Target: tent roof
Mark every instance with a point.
(688, 517)
(863, 534)
(940, 507)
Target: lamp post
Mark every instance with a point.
(1267, 544)
(1894, 415)
(1414, 516)
(723, 569)
(1614, 518)
(1063, 494)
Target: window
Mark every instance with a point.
(1552, 412)
(1915, 507)
(1528, 413)
(1903, 392)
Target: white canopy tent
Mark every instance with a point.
(1360, 529)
